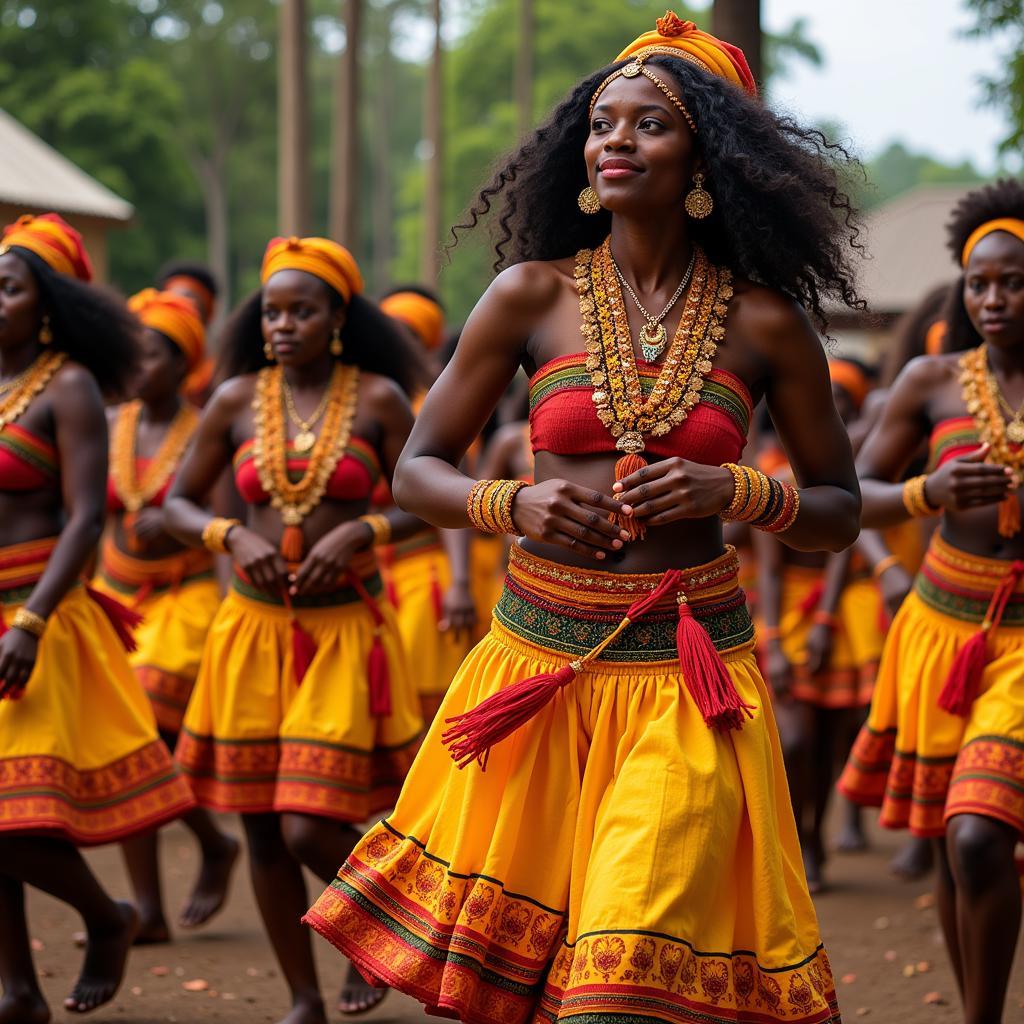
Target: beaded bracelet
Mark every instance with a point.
(215, 534)
(824, 618)
(380, 527)
(885, 564)
(489, 505)
(762, 501)
(30, 622)
(914, 500)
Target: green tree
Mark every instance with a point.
(896, 169)
(1003, 20)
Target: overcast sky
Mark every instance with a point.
(894, 69)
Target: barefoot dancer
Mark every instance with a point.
(618, 840)
(943, 748)
(304, 718)
(172, 587)
(80, 759)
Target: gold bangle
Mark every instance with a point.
(215, 534)
(914, 499)
(380, 527)
(883, 565)
(489, 505)
(29, 622)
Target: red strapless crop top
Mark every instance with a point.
(353, 479)
(27, 462)
(563, 419)
(950, 439)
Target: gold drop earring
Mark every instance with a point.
(336, 346)
(45, 333)
(699, 203)
(268, 351)
(588, 201)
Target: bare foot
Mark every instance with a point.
(914, 861)
(358, 995)
(851, 839)
(211, 886)
(26, 1008)
(305, 1011)
(105, 957)
(812, 868)
(152, 930)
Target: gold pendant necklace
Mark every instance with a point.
(305, 438)
(653, 336)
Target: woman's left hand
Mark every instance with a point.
(18, 651)
(819, 648)
(675, 489)
(459, 611)
(329, 558)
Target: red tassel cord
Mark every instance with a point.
(1009, 515)
(123, 619)
(811, 599)
(964, 679)
(625, 466)
(705, 675)
(436, 597)
(378, 669)
(304, 647)
(470, 736)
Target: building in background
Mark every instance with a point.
(35, 178)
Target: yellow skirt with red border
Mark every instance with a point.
(255, 739)
(857, 642)
(418, 577)
(80, 756)
(920, 764)
(617, 858)
(178, 598)
(488, 562)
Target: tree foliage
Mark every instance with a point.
(1002, 22)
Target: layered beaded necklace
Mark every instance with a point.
(297, 499)
(22, 389)
(618, 395)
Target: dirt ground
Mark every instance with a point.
(882, 936)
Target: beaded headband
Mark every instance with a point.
(636, 67)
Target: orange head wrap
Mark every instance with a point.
(321, 257)
(53, 240)
(851, 378)
(677, 38)
(423, 315)
(1011, 225)
(174, 316)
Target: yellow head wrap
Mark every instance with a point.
(321, 257)
(423, 315)
(1011, 225)
(174, 316)
(53, 240)
(677, 38)
(851, 378)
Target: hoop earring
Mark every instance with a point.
(699, 203)
(268, 351)
(336, 346)
(588, 201)
(45, 333)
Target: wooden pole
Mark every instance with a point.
(739, 22)
(293, 122)
(383, 185)
(343, 204)
(432, 132)
(524, 68)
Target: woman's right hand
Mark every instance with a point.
(574, 517)
(778, 669)
(261, 562)
(967, 482)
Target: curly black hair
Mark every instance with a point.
(909, 333)
(372, 341)
(91, 323)
(1003, 198)
(781, 216)
(186, 268)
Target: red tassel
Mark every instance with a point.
(961, 686)
(378, 672)
(303, 651)
(391, 591)
(131, 536)
(123, 619)
(3, 625)
(1009, 515)
(292, 543)
(705, 675)
(436, 597)
(141, 594)
(812, 599)
(636, 528)
(471, 735)
(884, 619)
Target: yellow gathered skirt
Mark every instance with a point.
(857, 641)
(419, 576)
(920, 764)
(256, 740)
(178, 598)
(488, 561)
(617, 858)
(80, 757)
